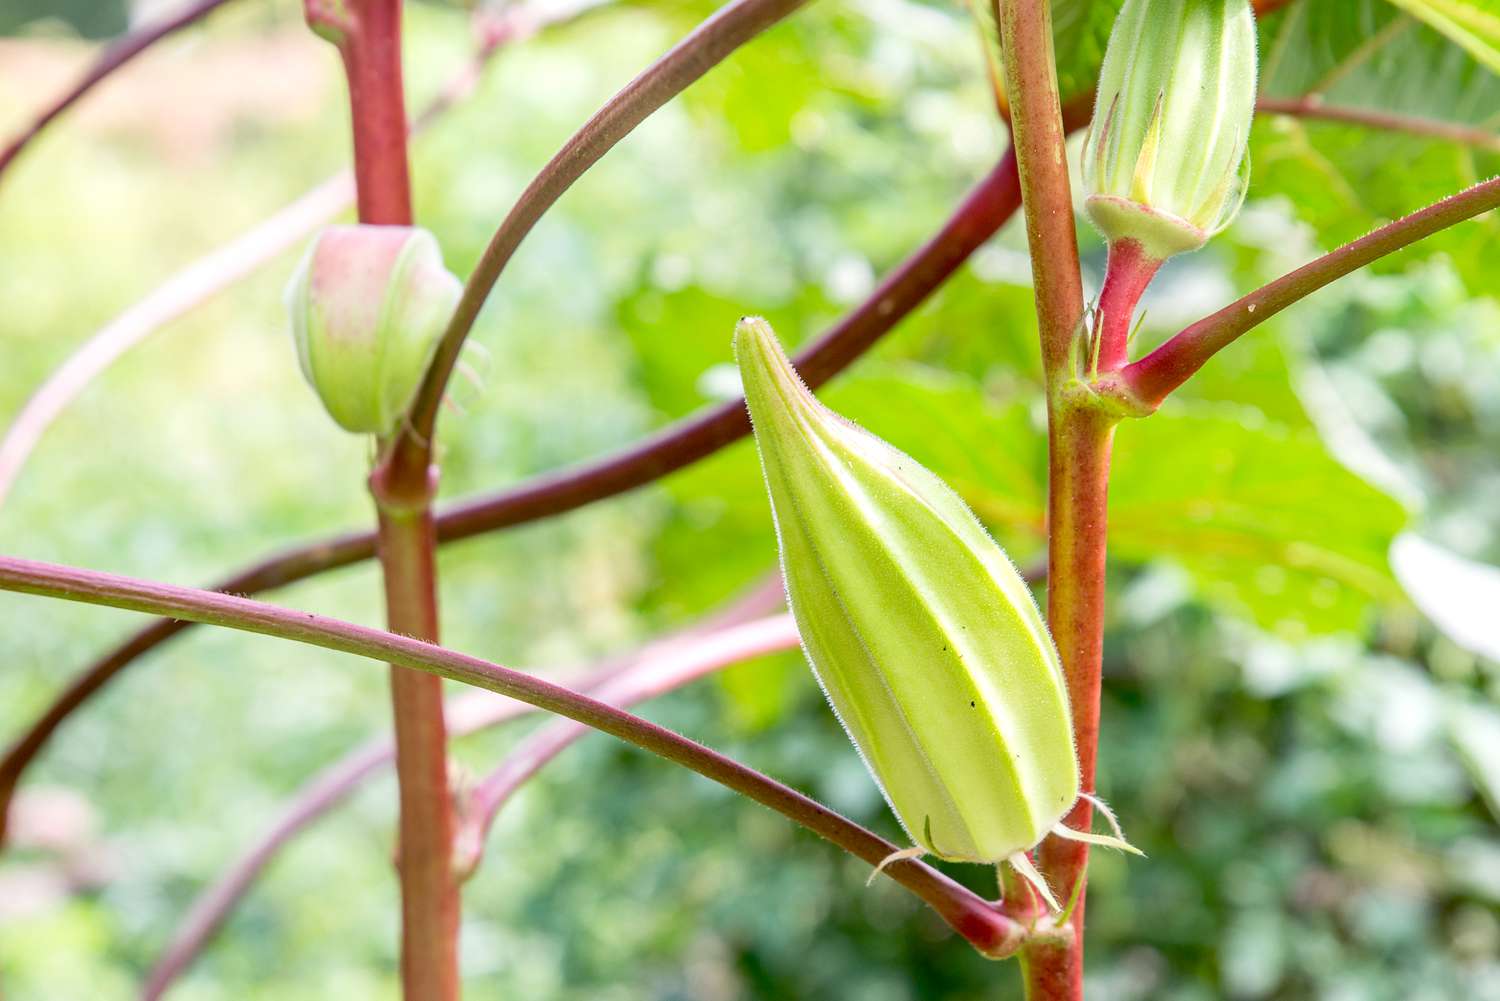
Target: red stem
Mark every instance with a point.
(1078, 463)
(1078, 450)
(371, 49)
(368, 34)
(1126, 276)
(466, 713)
(1040, 137)
(1153, 377)
(424, 853)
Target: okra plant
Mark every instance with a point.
(967, 681)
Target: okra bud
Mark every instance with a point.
(368, 306)
(1165, 163)
(925, 639)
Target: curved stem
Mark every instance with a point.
(466, 714)
(115, 55)
(730, 27)
(676, 667)
(989, 205)
(980, 922)
(1153, 377)
(1313, 107)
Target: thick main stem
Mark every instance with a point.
(424, 849)
(369, 36)
(1079, 442)
(1078, 449)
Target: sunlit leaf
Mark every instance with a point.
(1345, 179)
(1266, 521)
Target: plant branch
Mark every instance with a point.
(1040, 143)
(1153, 377)
(730, 27)
(467, 713)
(1312, 106)
(1078, 439)
(115, 55)
(980, 922)
(989, 205)
(671, 670)
(368, 36)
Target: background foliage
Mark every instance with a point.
(1310, 765)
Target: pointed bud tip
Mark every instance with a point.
(754, 328)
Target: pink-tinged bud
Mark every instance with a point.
(368, 306)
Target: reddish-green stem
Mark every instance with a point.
(1126, 275)
(424, 851)
(1153, 377)
(1078, 449)
(982, 923)
(704, 48)
(1312, 106)
(368, 35)
(1078, 442)
(1039, 137)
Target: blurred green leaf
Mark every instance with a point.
(1263, 518)
(1080, 32)
(1475, 731)
(1474, 24)
(1346, 179)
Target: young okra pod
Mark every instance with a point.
(925, 639)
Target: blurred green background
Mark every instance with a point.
(1312, 766)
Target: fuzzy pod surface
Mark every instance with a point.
(925, 639)
(368, 305)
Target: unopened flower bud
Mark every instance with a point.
(368, 306)
(1165, 163)
(922, 634)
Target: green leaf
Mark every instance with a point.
(1345, 179)
(1265, 520)
(1474, 24)
(1080, 32)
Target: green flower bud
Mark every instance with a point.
(1166, 161)
(924, 637)
(368, 306)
